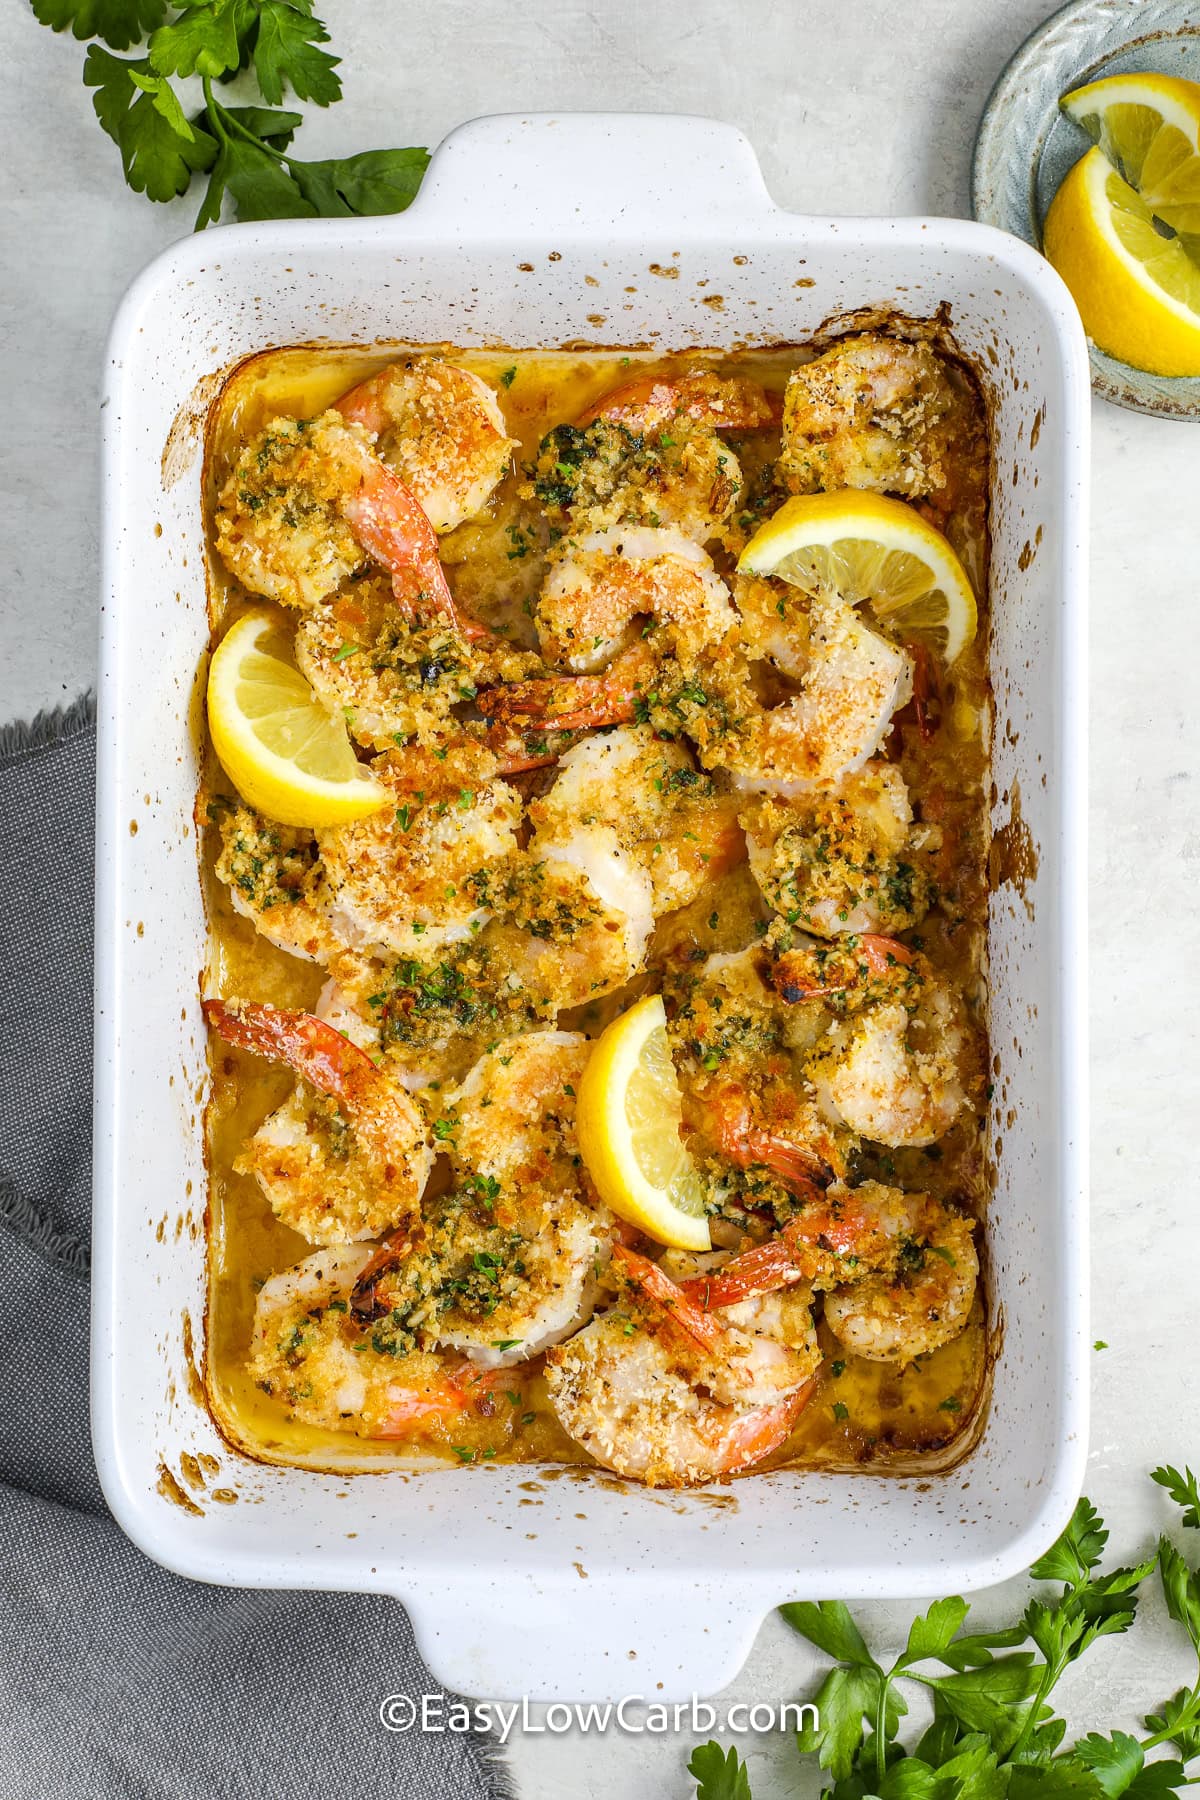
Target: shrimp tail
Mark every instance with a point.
(516, 754)
(364, 406)
(926, 693)
(392, 527)
(574, 702)
(413, 1410)
(677, 1308)
(800, 975)
(799, 1168)
(763, 1270)
(825, 1227)
(365, 1302)
(306, 1044)
(767, 1427)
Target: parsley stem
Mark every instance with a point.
(237, 129)
(880, 1744)
(225, 126)
(216, 116)
(1188, 1716)
(1050, 1675)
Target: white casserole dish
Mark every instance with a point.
(535, 232)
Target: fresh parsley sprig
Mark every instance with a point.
(244, 150)
(994, 1734)
(720, 1775)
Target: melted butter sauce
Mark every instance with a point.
(896, 1419)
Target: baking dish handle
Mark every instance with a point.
(543, 172)
(585, 1637)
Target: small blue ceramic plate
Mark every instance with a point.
(1025, 146)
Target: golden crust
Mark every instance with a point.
(870, 413)
(441, 429)
(279, 527)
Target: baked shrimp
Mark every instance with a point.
(578, 912)
(740, 1051)
(649, 453)
(396, 678)
(677, 822)
(512, 1253)
(869, 413)
(308, 505)
(630, 829)
(900, 1060)
(348, 1153)
(898, 1271)
(608, 585)
(275, 880)
(441, 430)
(421, 873)
(845, 857)
(851, 682)
(331, 1369)
(664, 1392)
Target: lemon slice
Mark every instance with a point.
(874, 550)
(286, 756)
(1148, 127)
(628, 1120)
(1138, 292)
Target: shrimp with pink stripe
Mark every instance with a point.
(664, 1391)
(899, 1271)
(440, 429)
(308, 505)
(333, 1370)
(348, 1154)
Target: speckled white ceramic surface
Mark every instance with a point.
(533, 231)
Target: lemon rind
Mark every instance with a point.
(849, 513)
(272, 784)
(1094, 179)
(1129, 90)
(601, 1120)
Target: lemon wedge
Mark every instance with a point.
(1148, 127)
(628, 1120)
(286, 756)
(871, 550)
(1138, 292)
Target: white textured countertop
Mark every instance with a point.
(867, 106)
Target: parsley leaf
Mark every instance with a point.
(1077, 1551)
(243, 148)
(720, 1775)
(374, 181)
(994, 1700)
(1178, 1723)
(845, 1700)
(931, 1635)
(1181, 1590)
(829, 1625)
(1115, 1761)
(203, 40)
(159, 148)
(121, 23)
(1183, 1490)
(287, 54)
(257, 180)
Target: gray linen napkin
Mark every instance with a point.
(119, 1681)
